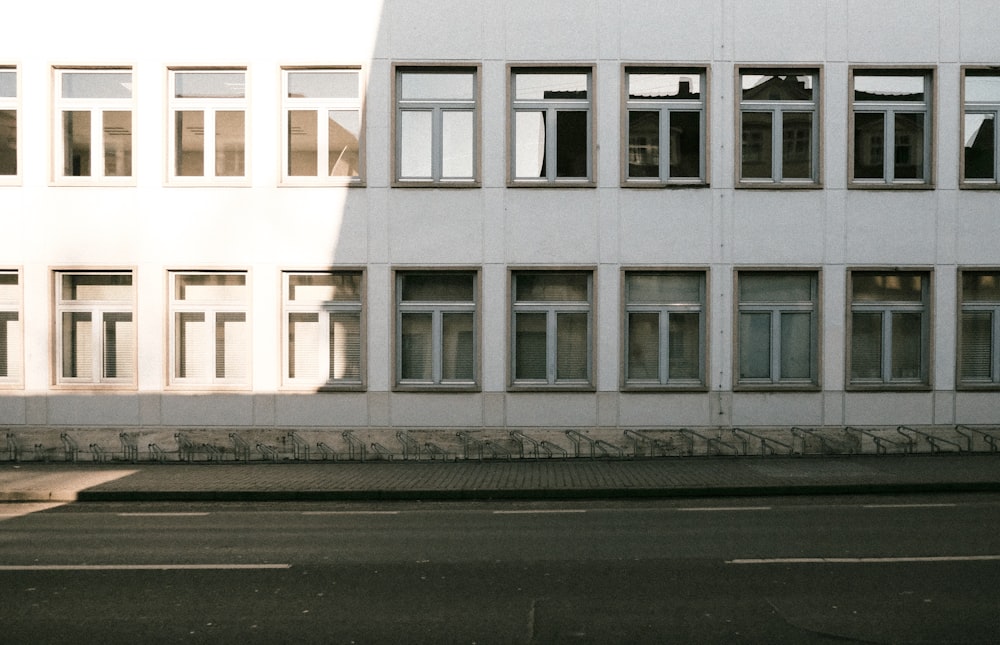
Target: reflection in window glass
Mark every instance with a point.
(436, 337)
(207, 85)
(892, 139)
(97, 85)
(665, 112)
(551, 114)
(551, 327)
(889, 328)
(323, 84)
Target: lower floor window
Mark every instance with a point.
(323, 338)
(95, 331)
(10, 327)
(890, 328)
(210, 335)
(979, 329)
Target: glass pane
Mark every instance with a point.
(437, 287)
(8, 84)
(776, 287)
(685, 346)
(530, 346)
(303, 345)
(664, 288)
(796, 140)
(77, 345)
(571, 346)
(97, 85)
(193, 346)
(766, 87)
(531, 86)
(416, 347)
(8, 142)
(457, 139)
(324, 287)
(208, 85)
(97, 287)
(887, 287)
(643, 143)
(323, 84)
(442, 86)
(303, 136)
(529, 144)
(888, 88)
(866, 346)
(345, 346)
(980, 286)
(909, 146)
(980, 146)
(211, 287)
(869, 145)
(344, 147)
(664, 86)
(906, 346)
(189, 143)
(685, 145)
(551, 287)
(571, 144)
(229, 146)
(10, 346)
(118, 144)
(76, 144)
(976, 357)
(796, 346)
(119, 346)
(458, 348)
(984, 87)
(755, 345)
(415, 144)
(232, 345)
(756, 145)
(644, 346)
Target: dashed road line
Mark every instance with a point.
(139, 567)
(885, 560)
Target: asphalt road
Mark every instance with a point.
(789, 570)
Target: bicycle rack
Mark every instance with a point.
(17, 449)
(880, 442)
(326, 451)
(934, 442)
(710, 442)
(520, 439)
(185, 447)
(826, 445)
(99, 453)
(552, 449)
(355, 447)
(381, 452)
(410, 445)
(470, 443)
(435, 451)
(606, 449)
(156, 453)
(653, 443)
(70, 448)
(130, 449)
(767, 444)
(268, 452)
(241, 449)
(990, 440)
(300, 448)
(213, 452)
(496, 450)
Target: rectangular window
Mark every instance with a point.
(551, 330)
(778, 328)
(779, 124)
(892, 127)
(207, 125)
(979, 329)
(10, 328)
(436, 323)
(8, 125)
(551, 120)
(667, 125)
(323, 329)
(95, 328)
(890, 328)
(322, 129)
(437, 126)
(209, 329)
(980, 140)
(664, 329)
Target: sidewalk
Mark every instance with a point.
(518, 479)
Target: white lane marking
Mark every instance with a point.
(162, 514)
(931, 558)
(727, 509)
(350, 512)
(909, 505)
(138, 567)
(541, 511)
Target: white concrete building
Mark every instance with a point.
(575, 214)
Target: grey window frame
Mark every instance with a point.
(13, 104)
(991, 108)
(11, 302)
(978, 306)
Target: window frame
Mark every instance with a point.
(437, 107)
(992, 307)
(777, 109)
(14, 305)
(775, 308)
(175, 306)
(979, 107)
(207, 106)
(552, 309)
(664, 383)
(290, 104)
(925, 308)
(289, 307)
(13, 104)
(551, 106)
(97, 308)
(888, 109)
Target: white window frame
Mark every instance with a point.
(321, 105)
(98, 309)
(989, 109)
(210, 107)
(211, 310)
(777, 109)
(13, 104)
(979, 307)
(324, 309)
(11, 298)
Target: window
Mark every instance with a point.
(551, 332)
(209, 329)
(979, 329)
(322, 128)
(664, 328)
(891, 115)
(666, 121)
(890, 328)
(778, 339)
(322, 332)
(981, 109)
(779, 127)
(207, 124)
(551, 119)
(436, 340)
(437, 126)
(95, 120)
(10, 328)
(8, 124)
(95, 328)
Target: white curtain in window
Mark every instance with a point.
(529, 346)
(643, 345)
(119, 346)
(530, 144)
(10, 346)
(416, 347)
(976, 359)
(232, 344)
(457, 350)
(303, 345)
(571, 346)
(345, 346)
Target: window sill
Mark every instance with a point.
(564, 183)
(92, 387)
(321, 182)
(971, 185)
(437, 388)
(661, 389)
(855, 185)
(206, 387)
(888, 387)
(201, 182)
(550, 387)
(436, 184)
(779, 185)
(977, 387)
(295, 388)
(646, 185)
(777, 387)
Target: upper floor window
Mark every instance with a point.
(779, 127)
(979, 329)
(322, 328)
(8, 124)
(552, 122)
(980, 110)
(95, 328)
(437, 126)
(892, 128)
(95, 118)
(10, 328)
(322, 128)
(207, 126)
(667, 125)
